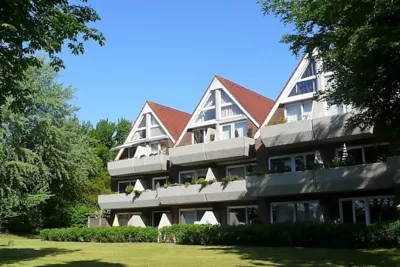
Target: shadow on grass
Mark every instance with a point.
(10, 255)
(91, 263)
(317, 257)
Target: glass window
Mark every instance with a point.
(200, 214)
(226, 131)
(382, 210)
(211, 100)
(304, 87)
(359, 210)
(311, 70)
(153, 120)
(157, 218)
(159, 182)
(198, 136)
(188, 217)
(237, 216)
(123, 219)
(140, 134)
(307, 110)
(143, 122)
(230, 111)
(163, 148)
(157, 131)
(122, 185)
(186, 177)
(225, 98)
(202, 173)
(283, 212)
(206, 115)
(154, 148)
(355, 156)
(293, 113)
(237, 172)
(347, 208)
(281, 165)
(307, 212)
(252, 215)
(241, 128)
(376, 153)
(310, 161)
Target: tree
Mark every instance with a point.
(27, 27)
(123, 128)
(46, 155)
(359, 41)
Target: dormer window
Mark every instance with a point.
(207, 113)
(308, 81)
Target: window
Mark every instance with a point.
(365, 154)
(190, 216)
(207, 113)
(157, 217)
(123, 218)
(300, 111)
(308, 81)
(243, 215)
(188, 176)
(292, 163)
(235, 129)
(307, 211)
(155, 127)
(139, 134)
(158, 148)
(239, 171)
(199, 136)
(368, 210)
(228, 108)
(159, 182)
(339, 109)
(123, 184)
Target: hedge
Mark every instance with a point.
(385, 235)
(101, 234)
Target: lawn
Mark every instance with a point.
(33, 252)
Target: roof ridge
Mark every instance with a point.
(254, 92)
(168, 107)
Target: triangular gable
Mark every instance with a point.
(163, 121)
(205, 111)
(305, 70)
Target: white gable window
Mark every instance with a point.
(140, 132)
(228, 108)
(233, 130)
(155, 128)
(207, 113)
(308, 81)
(299, 111)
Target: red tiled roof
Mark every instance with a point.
(174, 120)
(256, 105)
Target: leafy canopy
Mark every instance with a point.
(27, 27)
(359, 41)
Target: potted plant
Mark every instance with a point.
(212, 137)
(128, 189)
(250, 132)
(236, 133)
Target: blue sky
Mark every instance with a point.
(168, 52)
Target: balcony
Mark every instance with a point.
(330, 128)
(123, 201)
(346, 178)
(212, 151)
(138, 165)
(278, 184)
(216, 192)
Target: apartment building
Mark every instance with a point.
(247, 159)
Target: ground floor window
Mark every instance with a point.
(367, 209)
(189, 216)
(243, 215)
(157, 217)
(305, 211)
(123, 218)
(159, 182)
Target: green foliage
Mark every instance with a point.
(101, 234)
(280, 121)
(137, 193)
(187, 184)
(79, 213)
(202, 182)
(46, 155)
(236, 133)
(212, 137)
(336, 162)
(352, 236)
(122, 129)
(359, 42)
(250, 132)
(230, 179)
(128, 189)
(28, 27)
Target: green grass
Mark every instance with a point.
(33, 252)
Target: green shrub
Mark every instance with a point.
(202, 181)
(128, 189)
(187, 184)
(386, 235)
(101, 234)
(350, 236)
